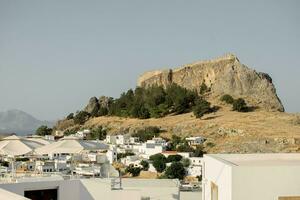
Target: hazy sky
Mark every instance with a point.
(55, 55)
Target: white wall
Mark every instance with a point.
(265, 182)
(67, 189)
(220, 174)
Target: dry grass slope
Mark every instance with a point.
(229, 131)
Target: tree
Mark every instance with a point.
(43, 130)
(81, 117)
(102, 111)
(70, 116)
(147, 133)
(174, 158)
(239, 105)
(175, 171)
(175, 141)
(159, 162)
(186, 162)
(201, 108)
(124, 155)
(69, 132)
(134, 171)
(199, 151)
(180, 99)
(184, 147)
(140, 111)
(98, 133)
(203, 88)
(145, 165)
(227, 99)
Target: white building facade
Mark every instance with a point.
(251, 177)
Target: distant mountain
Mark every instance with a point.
(20, 122)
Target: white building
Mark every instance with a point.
(82, 134)
(117, 139)
(195, 168)
(251, 177)
(134, 160)
(111, 154)
(45, 166)
(110, 139)
(90, 189)
(193, 141)
(134, 140)
(152, 147)
(49, 137)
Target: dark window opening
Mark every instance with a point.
(50, 194)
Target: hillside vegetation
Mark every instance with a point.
(234, 107)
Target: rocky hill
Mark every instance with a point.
(224, 75)
(227, 131)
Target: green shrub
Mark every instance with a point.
(201, 108)
(175, 141)
(186, 162)
(199, 151)
(4, 163)
(43, 130)
(22, 159)
(145, 165)
(97, 133)
(70, 116)
(147, 133)
(175, 171)
(184, 147)
(81, 117)
(203, 88)
(159, 162)
(174, 158)
(124, 155)
(239, 105)
(227, 99)
(69, 132)
(134, 171)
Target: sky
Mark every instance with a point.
(55, 55)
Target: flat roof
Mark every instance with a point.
(133, 189)
(258, 159)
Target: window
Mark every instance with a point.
(41, 194)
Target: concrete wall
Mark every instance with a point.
(67, 189)
(221, 175)
(265, 182)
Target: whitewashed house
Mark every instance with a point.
(49, 137)
(195, 168)
(117, 139)
(193, 141)
(251, 177)
(134, 140)
(131, 160)
(122, 139)
(45, 166)
(110, 139)
(82, 134)
(151, 147)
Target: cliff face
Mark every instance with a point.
(225, 75)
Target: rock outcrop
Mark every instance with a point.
(95, 104)
(225, 75)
